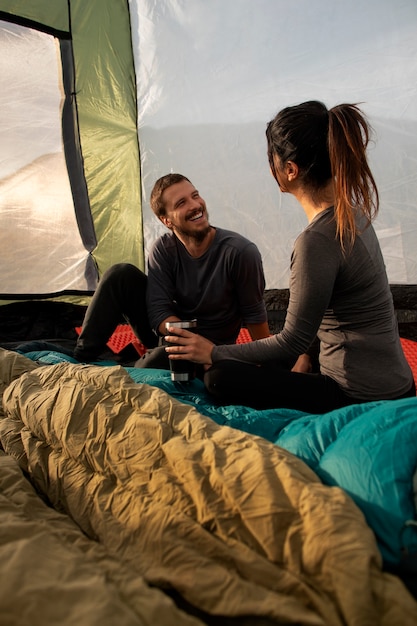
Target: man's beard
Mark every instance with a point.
(197, 236)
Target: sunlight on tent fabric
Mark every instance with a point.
(210, 76)
(38, 229)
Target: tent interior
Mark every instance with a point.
(99, 100)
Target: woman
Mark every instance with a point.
(339, 289)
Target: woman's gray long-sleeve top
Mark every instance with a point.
(345, 300)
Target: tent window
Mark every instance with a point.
(41, 249)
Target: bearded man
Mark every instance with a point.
(195, 271)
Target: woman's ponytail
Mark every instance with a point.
(354, 184)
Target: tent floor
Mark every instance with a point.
(51, 325)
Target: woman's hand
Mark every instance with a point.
(189, 346)
(303, 364)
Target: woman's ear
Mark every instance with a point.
(291, 171)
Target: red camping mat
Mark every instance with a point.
(410, 352)
(123, 336)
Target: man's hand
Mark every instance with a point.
(189, 346)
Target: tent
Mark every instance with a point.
(100, 98)
(70, 200)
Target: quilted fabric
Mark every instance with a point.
(236, 525)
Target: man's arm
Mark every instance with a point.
(258, 331)
(161, 289)
(161, 328)
(250, 286)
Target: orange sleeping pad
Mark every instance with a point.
(123, 336)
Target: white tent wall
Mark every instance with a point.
(212, 73)
(39, 235)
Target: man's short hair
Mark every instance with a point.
(159, 187)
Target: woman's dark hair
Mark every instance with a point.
(328, 144)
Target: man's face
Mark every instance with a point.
(185, 211)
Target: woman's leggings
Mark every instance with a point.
(271, 386)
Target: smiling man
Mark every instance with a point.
(194, 271)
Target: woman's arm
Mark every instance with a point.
(314, 267)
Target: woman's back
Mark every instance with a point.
(359, 342)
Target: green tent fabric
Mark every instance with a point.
(104, 104)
